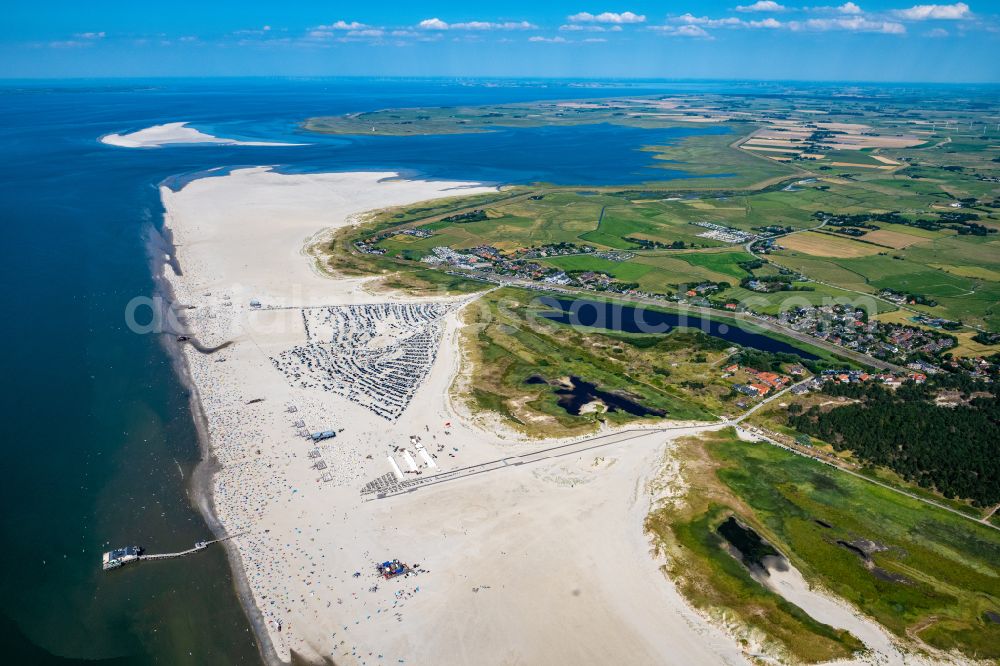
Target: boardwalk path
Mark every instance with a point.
(201, 545)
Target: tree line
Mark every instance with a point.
(954, 450)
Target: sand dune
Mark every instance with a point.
(176, 133)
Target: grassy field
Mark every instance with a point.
(892, 239)
(660, 272)
(712, 155)
(939, 571)
(679, 372)
(925, 269)
(509, 344)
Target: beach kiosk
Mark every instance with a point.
(391, 569)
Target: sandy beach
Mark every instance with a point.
(176, 133)
(542, 562)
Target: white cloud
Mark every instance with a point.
(548, 40)
(936, 33)
(848, 22)
(959, 10)
(595, 40)
(486, 25)
(79, 40)
(607, 17)
(344, 32)
(438, 24)
(577, 27)
(848, 9)
(691, 31)
(433, 24)
(338, 25)
(762, 6)
(690, 19)
(688, 30)
(260, 31)
(728, 22)
(853, 24)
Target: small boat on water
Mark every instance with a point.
(121, 556)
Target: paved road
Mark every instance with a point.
(760, 404)
(562, 450)
(602, 441)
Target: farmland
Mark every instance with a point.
(670, 249)
(657, 237)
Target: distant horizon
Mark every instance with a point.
(512, 78)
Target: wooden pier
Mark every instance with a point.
(200, 545)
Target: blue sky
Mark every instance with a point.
(874, 40)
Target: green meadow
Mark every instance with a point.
(930, 575)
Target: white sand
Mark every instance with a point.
(824, 607)
(555, 549)
(176, 133)
(545, 562)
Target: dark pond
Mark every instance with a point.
(752, 549)
(629, 319)
(583, 392)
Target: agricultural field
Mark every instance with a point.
(894, 239)
(660, 272)
(957, 272)
(923, 573)
(818, 244)
(923, 165)
(813, 293)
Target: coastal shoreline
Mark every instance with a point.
(161, 254)
(164, 260)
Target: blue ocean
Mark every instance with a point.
(99, 445)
